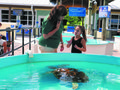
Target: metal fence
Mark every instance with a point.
(23, 34)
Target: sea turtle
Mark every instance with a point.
(70, 74)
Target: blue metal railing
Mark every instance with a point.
(23, 44)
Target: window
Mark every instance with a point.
(5, 12)
(25, 19)
(113, 26)
(119, 26)
(5, 16)
(114, 22)
(13, 17)
(29, 12)
(114, 16)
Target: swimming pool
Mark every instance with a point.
(93, 47)
(70, 34)
(23, 73)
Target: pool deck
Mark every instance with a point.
(18, 42)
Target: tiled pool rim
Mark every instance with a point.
(21, 59)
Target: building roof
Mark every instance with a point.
(80, 3)
(27, 2)
(115, 5)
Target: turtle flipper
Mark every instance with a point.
(49, 72)
(74, 86)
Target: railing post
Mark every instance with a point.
(22, 41)
(13, 42)
(30, 39)
(38, 32)
(41, 30)
(8, 39)
(34, 34)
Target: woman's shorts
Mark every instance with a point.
(45, 49)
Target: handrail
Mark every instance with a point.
(23, 44)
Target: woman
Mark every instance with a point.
(52, 28)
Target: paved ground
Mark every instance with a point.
(18, 42)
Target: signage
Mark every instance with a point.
(104, 11)
(100, 29)
(17, 12)
(76, 11)
(70, 28)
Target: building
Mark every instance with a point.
(112, 23)
(41, 8)
(114, 20)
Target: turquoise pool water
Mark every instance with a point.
(72, 34)
(24, 73)
(89, 41)
(34, 76)
(68, 34)
(117, 36)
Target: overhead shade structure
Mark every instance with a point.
(76, 3)
(115, 5)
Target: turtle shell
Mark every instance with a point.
(70, 74)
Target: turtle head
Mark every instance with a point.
(82, 77)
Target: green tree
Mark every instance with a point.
(73, 20)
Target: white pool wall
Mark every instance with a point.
(117, 43)
(54, 57)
